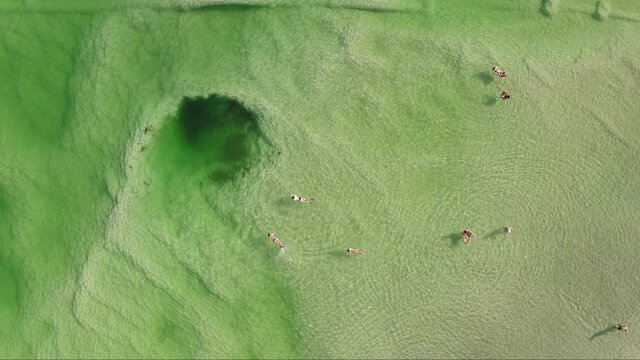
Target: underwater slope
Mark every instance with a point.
(148, 150)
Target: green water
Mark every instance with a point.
(125, 234)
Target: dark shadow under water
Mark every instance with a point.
(494, 234)
(239, 7)
(223, 131)
(454, 238)
(219, 7)
(490, 100)
(548, 7)
(339, 253)
(484, 77)
(606, 331)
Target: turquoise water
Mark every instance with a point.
(126, 233)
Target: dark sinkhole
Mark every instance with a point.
(222, 132)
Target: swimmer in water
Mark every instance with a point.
(508, 230)
(277, 241)
(623, 328)
(467, 236)
(497, 71)
(354, 250)
(301, 199)
(505, 95)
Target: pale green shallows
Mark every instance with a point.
(119, 239)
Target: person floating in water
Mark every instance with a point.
(301, 199)
(467, 236)
(623, 328)
(505, 95)
(508, 230)
(277, 241)
(354, 250)
(497, 71)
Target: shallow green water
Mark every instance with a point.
(120, 236)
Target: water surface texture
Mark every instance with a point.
(148, 147)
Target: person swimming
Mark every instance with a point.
(275, 239)
(508, 230)
(505, 95)
(623, 328)
(354, 250)
(301, 199)
(497, 71)
(467, 236)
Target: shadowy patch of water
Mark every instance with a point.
(494, 234)
(219, 7)
(224, 134)
(490, 100)
(339, 253)
(606, 331)
(548, 7)
(454, 238)
(200, 116)
(602, 10)
(484, 77)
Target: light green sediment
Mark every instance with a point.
(120, 237)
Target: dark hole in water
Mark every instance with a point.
(223, 131)
(200, 115)
(235, 147)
